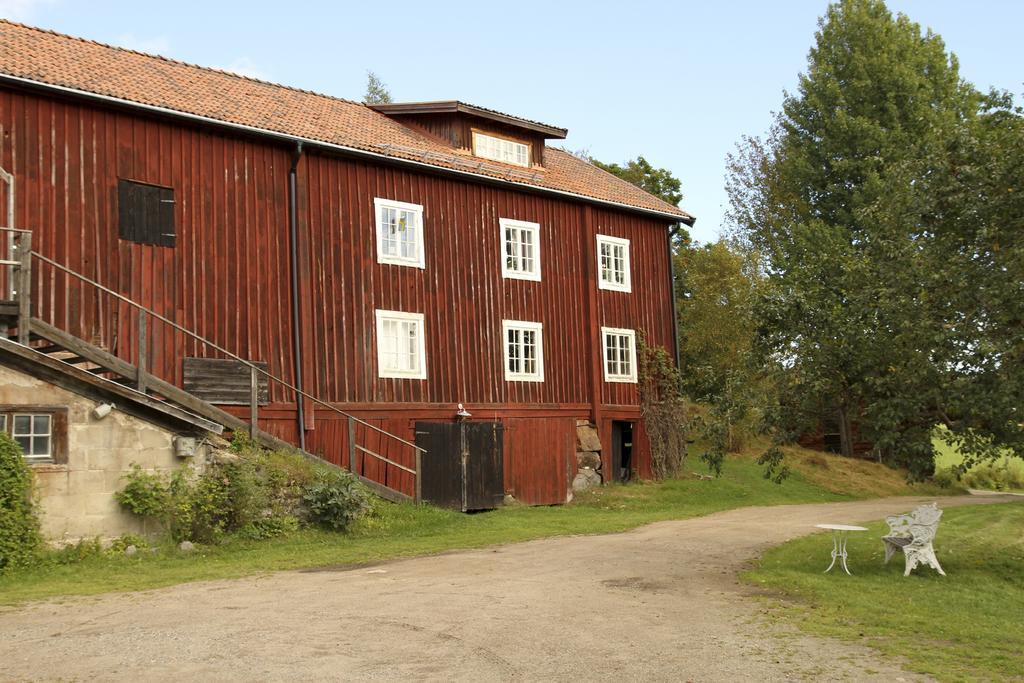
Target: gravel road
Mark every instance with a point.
(658, 603)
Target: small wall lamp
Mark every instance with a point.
(102, 410)
(462, 413)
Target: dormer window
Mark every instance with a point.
(501, 149)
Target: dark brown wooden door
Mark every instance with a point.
(463, 466)
(484, 479)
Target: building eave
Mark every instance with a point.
(292, 139)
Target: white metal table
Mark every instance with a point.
(839, 532)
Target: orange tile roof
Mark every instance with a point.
(54, 59)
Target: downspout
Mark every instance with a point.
(293, 243)
(669, 236)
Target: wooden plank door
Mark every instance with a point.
(484, 480)
(441, 466)
(463, 466)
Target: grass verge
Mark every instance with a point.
(397, 531)
(966, 626)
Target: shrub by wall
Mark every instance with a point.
(253, 492)
(19, 526)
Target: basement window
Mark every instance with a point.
(524, 351)
(399, 233)
(400, 345)
(613, 264)
(501, 149)
(145, 213)
(41, 432)
(521, 249)
(619, 354)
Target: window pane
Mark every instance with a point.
(22, 424)
(41, 424)
(40, 446)
(26, 444)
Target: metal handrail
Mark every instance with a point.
(252, 367)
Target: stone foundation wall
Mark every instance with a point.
(77, 497)
(588, 457)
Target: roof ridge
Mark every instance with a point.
(181, 62)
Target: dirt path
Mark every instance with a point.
(658, 603)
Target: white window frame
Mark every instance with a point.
(602, 283)
(417, 261)
(508, 150)
(507, 224)
(32, 435)
(631, 377)
(420, 372)
(523, 326)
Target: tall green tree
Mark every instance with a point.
(850, 200)
(658, 181)
(376, 90)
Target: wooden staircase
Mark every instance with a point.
(18, 325)
(67, 348)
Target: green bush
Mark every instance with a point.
(19, 525)
(990, 476)
(336, 500)
(255, 493)
(74, 553)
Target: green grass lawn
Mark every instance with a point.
(966, 626)
(946, 456)
(395, 531)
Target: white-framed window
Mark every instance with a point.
(34, 433)
(524, 350)
(520, 253)
(401, 350)
(399, 233)
(500, 149)
(613, 270)
(619, 354)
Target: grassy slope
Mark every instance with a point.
(395, 531)
(966, 626)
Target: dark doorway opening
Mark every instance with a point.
(622, 450)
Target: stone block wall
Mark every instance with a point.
(77, 497)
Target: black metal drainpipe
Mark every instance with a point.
(293, 239)
(670, 234)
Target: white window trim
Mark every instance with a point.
(628, 271)
(477, 148)
(505, 223)
(507, 325)
(632, 377)
(39, 457)
(421, 372)
(420, 260)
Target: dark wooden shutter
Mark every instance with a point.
(224, 381)
(145, 213)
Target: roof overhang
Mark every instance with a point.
(89, 385)
(454, 106)
(671, 217)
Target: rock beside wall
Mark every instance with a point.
(588, 457)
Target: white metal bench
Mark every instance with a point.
(913, 534)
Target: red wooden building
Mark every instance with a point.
(393, 261)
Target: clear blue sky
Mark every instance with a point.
(679, 82)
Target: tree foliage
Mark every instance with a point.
(19, 526)
(376, 90)
(888, 265)
(658, 181)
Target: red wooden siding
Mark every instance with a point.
(540, 459)
(461, 291)
(228, 279)
(224, 278)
